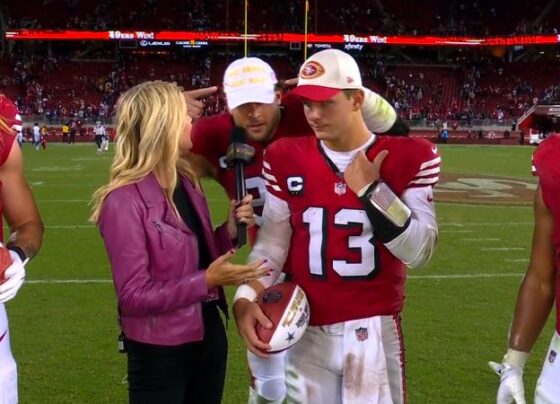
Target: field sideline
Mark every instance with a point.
(458, 309)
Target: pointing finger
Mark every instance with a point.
(291, 82)
(201, 92)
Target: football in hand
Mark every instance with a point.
(286, 306)
(5, 262)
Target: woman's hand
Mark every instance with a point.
(223, 272)
(240, 213)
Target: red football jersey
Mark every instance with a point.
(333, 255)
(9, 114)
(546, 164)
(211, 137)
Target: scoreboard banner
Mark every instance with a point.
(205, 37)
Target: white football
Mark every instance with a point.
(285, 304)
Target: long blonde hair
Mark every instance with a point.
(151, 118)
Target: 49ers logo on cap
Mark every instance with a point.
(311, 70)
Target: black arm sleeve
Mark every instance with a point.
(383, 229)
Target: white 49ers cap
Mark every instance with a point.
(249, 80)
(326, 73)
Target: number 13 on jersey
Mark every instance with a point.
(317, 218)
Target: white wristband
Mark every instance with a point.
(362, 191)
(516, 358)
(245, 292)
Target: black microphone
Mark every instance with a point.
(238, 155)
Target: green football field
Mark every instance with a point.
(458, 309)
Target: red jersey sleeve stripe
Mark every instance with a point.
(430, 163)
(17, 123)
(272, 186)
(269, 177)
(427, 172)
(428, 181)
(425, 181)
(430, 172)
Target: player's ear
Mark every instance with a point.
(358, 97)
(278, 97)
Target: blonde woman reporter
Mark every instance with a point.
(168, 264)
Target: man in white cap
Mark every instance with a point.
(256, 103)
(344, 218)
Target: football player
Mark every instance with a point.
(256, 103)
(100, 134)
(17, 206)
(538, 290)
(344, 218)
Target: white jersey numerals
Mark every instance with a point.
(316, 219)
(256, 187)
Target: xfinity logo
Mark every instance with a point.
(351, 46)
(295, 185)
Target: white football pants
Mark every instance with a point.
(548, 385)
(355, 362)
(8, 369)
(267, 378)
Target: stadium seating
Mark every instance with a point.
(88, 90)
(60, 87)
(382, 17)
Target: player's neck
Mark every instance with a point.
(357, 136)
(274, 126)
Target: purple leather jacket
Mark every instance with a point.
(154, 256)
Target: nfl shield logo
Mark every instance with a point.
(552, 356)
(340, 188)
(361, 334)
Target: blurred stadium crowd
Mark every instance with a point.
(56, 82)
(440, 17)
